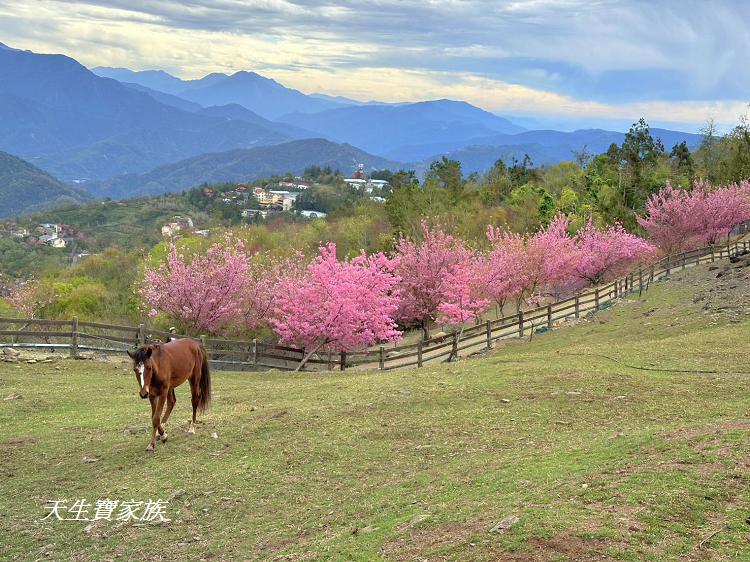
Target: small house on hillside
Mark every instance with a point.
(52, 240)
(313, 214)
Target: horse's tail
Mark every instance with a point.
(205, 382)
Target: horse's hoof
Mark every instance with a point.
(163, 437)
(191, 430)
(150, 449)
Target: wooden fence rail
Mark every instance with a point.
(76, 336)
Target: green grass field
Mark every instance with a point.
(598, 460)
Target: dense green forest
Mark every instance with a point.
(517, 195)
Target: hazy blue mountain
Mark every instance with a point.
(25, 188)
(152, 79)
(76, 124)
(240, 113)
(166, 99)
(557, 145)
(262, 95)
(544, 147)
(140, 150)
(241, 165)
(338, 99)
(385, 128)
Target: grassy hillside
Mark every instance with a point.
(25, 188)
(598, 458)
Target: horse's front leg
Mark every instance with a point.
(171, 399)
(157, 404)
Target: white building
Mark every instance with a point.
(52, 240)
(378, 184)
(313, 214)
(355, 182)
(249, 213)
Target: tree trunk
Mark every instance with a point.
(307, 357)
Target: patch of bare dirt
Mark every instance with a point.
(416, 543)
(722, 287)
(563, 546)
(713, 429)
(453, 538)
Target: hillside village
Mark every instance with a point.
(237, 203)
(45, 234)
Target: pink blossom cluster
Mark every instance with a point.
(338, 305)
(441, 280)
(678, 219)
(552, 263)
(203, 292)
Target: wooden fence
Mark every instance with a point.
(77, 337)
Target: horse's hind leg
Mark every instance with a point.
(171, 400)
(195, 389)
(195, 392)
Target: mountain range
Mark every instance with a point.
(117, 132)
(264, 96)
(25, 188)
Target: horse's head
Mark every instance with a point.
(143, 366)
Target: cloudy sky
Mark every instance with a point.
(589, 62)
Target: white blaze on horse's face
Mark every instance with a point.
(141, 371)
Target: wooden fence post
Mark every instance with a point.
(520, 324)
(255, 352)
(640, 281)
(489, 334)
(141, 335)
(74, 338)
(578, 306)
(381, 358)
(668, 260)
(343, 360)
(454, 349)
(596, 298)
(549, 316)
(203, 344)
(419, 353)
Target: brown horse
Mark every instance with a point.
(160, 368)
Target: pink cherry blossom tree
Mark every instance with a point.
(338, 305)
(30, 298)
(466, 299)
(204, 293)
(677, 219)
(553, 255)
(505, 267)
(441, 281)
(603, 255)
(723, 208)
(259, 297)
